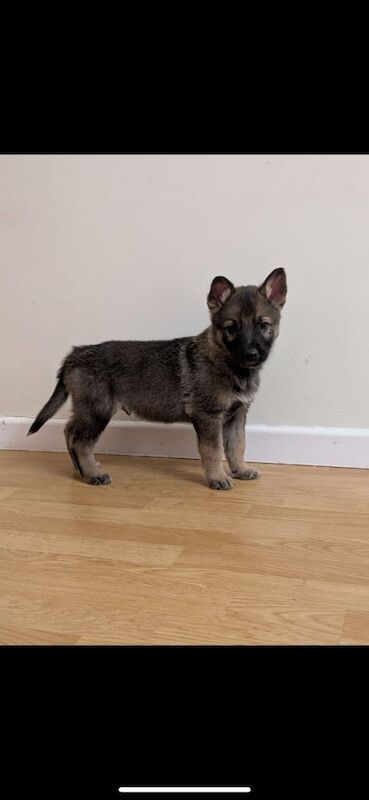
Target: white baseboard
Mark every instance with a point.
(281, 444)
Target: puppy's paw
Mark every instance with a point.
(224, 482)
(246, 474)
(99, 480)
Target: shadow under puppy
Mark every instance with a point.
(209, 380)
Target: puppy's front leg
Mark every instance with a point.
(209, 436)
(234, 441)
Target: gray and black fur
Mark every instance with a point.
(208, 380)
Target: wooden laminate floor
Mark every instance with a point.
(157, 558)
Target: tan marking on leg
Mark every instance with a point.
(211, 452)
(234, 439)
(90, 468)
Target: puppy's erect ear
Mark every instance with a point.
(220, 290)
(274, 287)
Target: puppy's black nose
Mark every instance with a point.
(252, 354)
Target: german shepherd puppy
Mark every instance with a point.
(209, 380)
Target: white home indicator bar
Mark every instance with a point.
(185, 789)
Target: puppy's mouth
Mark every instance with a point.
(252, 362)
(248, 363)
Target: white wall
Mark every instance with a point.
(101, 247)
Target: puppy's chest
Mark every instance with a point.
(240, 393)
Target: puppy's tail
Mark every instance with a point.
(50, 408)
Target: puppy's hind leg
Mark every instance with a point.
(81, 434)
(70, 448)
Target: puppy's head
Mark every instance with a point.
(246, 319)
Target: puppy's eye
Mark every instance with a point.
(231, 327)
(263, 324)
